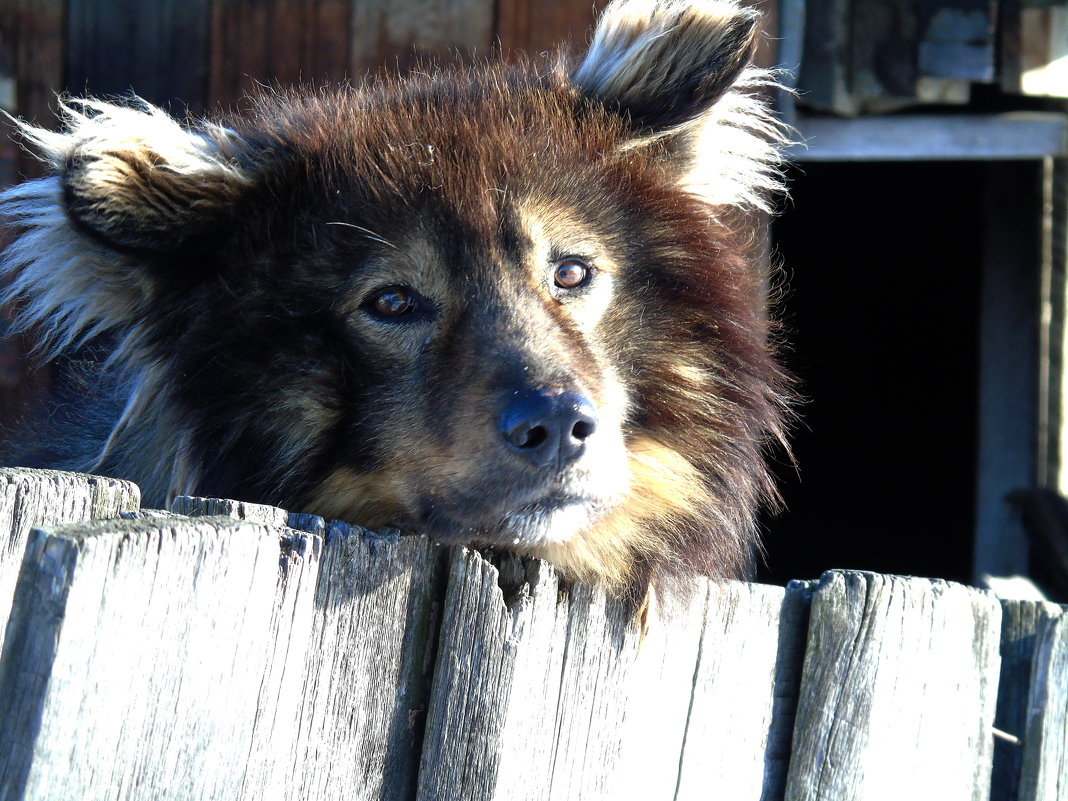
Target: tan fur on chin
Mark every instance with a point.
(638, 532)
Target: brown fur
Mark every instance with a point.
(241, 266)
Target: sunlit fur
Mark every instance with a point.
(232, 267)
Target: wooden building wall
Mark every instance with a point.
(199, 55)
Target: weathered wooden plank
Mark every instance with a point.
(531, 27)
(239, 510)
(397, 34)
(158, 50)
(527, 694)
(543, 695)
(269, 773)
(492, 720)
(135, 659)
(44, 497)
(367, 671)
(897, 692)
(277, 42)
(994, 137)
(1044, 770)
(1020, 622)
(715, 710)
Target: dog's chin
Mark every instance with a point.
(544, 521)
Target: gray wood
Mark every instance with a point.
(529, 690)
(395, 34)
(825, 82)
(1020, 622)
(135, 659)
(495, 715)
(43, 497)
(370, 651)
(1022, 135)
(543, 695)
(957, 39)
(714, 711)
(1044, 772)
(269, 772)
(1009, 357)
(897, 692)
(239, 510)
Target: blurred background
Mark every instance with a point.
(922, 252)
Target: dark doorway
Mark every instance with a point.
(882, 267)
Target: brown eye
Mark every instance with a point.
(393, 302)
(571, 274)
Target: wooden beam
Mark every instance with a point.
(1015, 136)
(1007, 455)
(276, 43)
(31, 498)
(1044, 772)
(1021, 621)
(898, 691)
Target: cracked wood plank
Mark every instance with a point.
(135, 658)
(897, 691)
(542, 694)
(1044, 772)
(31, 497)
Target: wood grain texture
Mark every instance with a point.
(158, 50)
(135, 659)
(709, 701)
(239, 510)
(44, 497)
(399, 34)
(897, 692)
(370, 651)
(1044, 770)
(278, 43)
(527, 690)
(1020, 623)
(533, 27)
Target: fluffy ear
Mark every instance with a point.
(679, 73)
(666, 62)
(136, 179)
(128, 183)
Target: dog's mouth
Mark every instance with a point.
(555, 516)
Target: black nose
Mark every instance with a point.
(547, 426)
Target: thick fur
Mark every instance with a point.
(240, 269)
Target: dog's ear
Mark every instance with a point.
(129, 185)
(678, 73)
(135, 179)
(666, 62)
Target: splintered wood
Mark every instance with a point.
(231, 651)
(897, 692)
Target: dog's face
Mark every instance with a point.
(504, 305)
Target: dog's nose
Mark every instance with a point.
(548, 427)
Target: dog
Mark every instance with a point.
(515, 306)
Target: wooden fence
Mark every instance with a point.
(231, 651)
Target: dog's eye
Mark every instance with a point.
(393, 302)
(571, 273)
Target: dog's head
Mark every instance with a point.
(508, 305)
